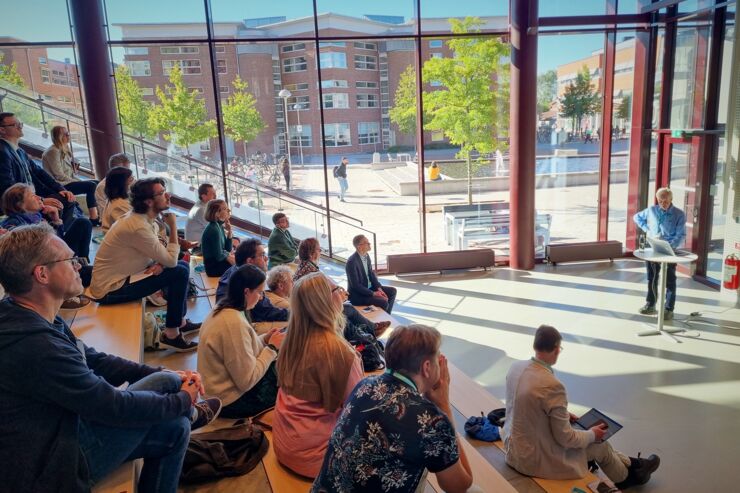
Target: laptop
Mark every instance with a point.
(662, 247)
(595, 417)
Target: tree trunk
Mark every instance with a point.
(470, 179)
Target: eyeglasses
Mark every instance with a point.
(76, 261)
(18, 125)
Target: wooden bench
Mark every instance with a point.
(470, 399)
(114, 329)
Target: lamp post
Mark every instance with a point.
(298, 107)
(285, 94)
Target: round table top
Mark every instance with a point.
(650, 256)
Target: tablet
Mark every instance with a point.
(595, 417)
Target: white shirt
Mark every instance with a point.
(196, 222)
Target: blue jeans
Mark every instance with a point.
(162, 446)
(174, 279)
(343, 186)
(653, 272)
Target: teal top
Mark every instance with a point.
(281, 248)
(214, 243)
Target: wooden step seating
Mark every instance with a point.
(114, 329)
(470, 399)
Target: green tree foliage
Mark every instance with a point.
(624, 108)
(134, 111)
(242, 121)
(403, 112)
(470, 104)
(9, 75)
(580, 99)
(181, 115)
(547, 90)
(26, 111)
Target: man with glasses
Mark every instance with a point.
(68, 417)
(132, 262)
(281, 246)
(362, 283)
(538, 436)
(17, 167)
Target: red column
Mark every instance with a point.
(523, 131)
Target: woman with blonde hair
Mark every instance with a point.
(59, 163)
(317, 370)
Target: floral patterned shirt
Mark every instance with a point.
(385, 437)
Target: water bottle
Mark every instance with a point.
(642, 243)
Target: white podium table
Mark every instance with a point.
(649, 256)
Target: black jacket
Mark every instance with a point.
(11, 172)
(48, 381)
(356, 278)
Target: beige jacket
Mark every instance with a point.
(129, 247)
(113, 211)
(539, 439)
(58, 166)
(232, 358)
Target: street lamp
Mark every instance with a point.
(298, 107)
(285, 94)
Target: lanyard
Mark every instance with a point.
(402, 378)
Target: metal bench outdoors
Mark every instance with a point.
(496, 227)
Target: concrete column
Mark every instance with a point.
(523, 132)
(88, 22)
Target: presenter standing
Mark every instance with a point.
(667, 222)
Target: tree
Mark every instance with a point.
(134, 111)
(547, 90)
(403, 112)
(624, 108)
(580, 99)
(9, 75)
(242, 121)
(181, 114)
(468, 105)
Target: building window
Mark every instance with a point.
(297, 87)
(64, 99)
(336, 101)
(220, 49)
(337, 135)
(221, 66)
(46, 97)
(42, 60)
(361, 84)
(365, 46)
(328, 84)
(187, 67)
(333, 60)
(205, 145)
(300, 138)
(368, 133)
(136, 50)
(303, 103)
(139, 68)
(338, 44)
(367, 101)
(59, 77)
(147, 91)
(293, 47)
(366, 62)
(435, 43)
(179, 50)
(438, 136)
(45, 76)
(437, 55)
(297, 64)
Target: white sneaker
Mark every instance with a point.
(157, 299)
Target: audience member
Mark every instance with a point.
(309, 253)
(434, 172)
(280, 285)
(397, 426)
(132, 263)
(114, 161)
(59, 162)
(216, 242)
(317, 370)
(538, 436)
(196, 221)
(667, 222)
(68, 418)
(362, 283)
(118, 182)
(17, 167)
(237, 365)
(281, 247)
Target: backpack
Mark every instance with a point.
(335, 171)
(370, 348)
(230, 451)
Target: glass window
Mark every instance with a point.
(559, 8)
(220, 49)
(437, 55)
(138, 68)
(367, 100)
(436, 43)
(297, 64)
(144, 19)
(45, 76)
(337, 135)
(439, 17)
(336, 101)
(223, 89)
(42, 60)
(255, 20)
(368, 133)
(293, 47)
(389, 16)
(331, 83)
(179, 50)
(303, 86)
(147, 91)
(360, 45)
(360, 84)
(297, 103)
(338, 44)
(136, 50)
(333, 60)
(366, 62)
(300, 135)
(221, 67)
(188, 67)
(39, 21)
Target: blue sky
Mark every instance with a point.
(45, 20)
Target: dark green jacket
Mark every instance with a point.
(281, 248)
(214, 243)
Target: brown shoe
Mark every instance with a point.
(381, 327)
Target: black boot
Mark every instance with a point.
(639, 471)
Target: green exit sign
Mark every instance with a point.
(678, 134)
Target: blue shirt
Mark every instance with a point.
(669, 225)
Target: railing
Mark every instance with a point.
(251, 200)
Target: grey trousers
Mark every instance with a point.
(612, 462)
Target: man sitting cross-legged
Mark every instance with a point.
(132, 248)
(68, 419)
(281, 247)
(362, 283)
